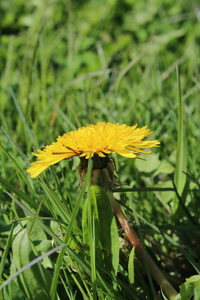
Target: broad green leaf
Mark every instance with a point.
(39, 238)
(194, 279)
(188, 288)
(12, 291)
(164, 168)
(150, 164)
(164, 196)
(35, 280)
(106, 234)
(38, 234)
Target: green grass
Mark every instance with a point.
(65, 64)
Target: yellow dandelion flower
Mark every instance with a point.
(100, 139)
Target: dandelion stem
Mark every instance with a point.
(156, 273)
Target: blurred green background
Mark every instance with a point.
(65, 64)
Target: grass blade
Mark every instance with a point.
(35, 219)
(16, 146)
(28, 130)
(19, 193)
(181, 159)
(5, 253)
(18, 169)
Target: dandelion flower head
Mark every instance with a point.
(101, 139)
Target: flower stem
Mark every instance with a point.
(156, 273)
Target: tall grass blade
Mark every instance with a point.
(181, 158)
(63, 116)
(6, 250)
(18, 169)
(16, 146)
(28, 130)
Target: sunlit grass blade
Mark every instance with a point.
(19, 170)
(15, 145)
(181, 158)
(63, 116)
(39, 26)
(28, 130)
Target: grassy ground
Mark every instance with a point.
(65, 64)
